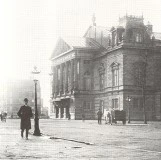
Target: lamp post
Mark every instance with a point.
(35, 72)
(143, 88)
(128, 99)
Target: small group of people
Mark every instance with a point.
(107, 116)
(3, 116)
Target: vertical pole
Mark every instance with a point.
(129, 112)
(37, 130)
(72, 75)
(59, 112)
(144, 108)
(143, 90)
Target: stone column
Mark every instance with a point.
(81, 74)
(75, 75)
(65, 113)
(53, 81)
(72, 75)
(56, 80)
(59, 112)
(69, 76)
(61, 79)
(66, 78)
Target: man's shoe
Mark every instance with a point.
(26, 138)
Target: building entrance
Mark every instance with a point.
(62, 109)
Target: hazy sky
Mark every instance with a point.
(29, 28)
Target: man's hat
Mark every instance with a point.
(26, 100)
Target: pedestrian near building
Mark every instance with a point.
(109, 118)
(99, 114)
(105, 116)
(25, 113)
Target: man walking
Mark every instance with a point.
(25, 113)
(99, 114)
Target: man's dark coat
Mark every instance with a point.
(25, 113)
(99, 114)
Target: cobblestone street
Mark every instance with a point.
(63, 139)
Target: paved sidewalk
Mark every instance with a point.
(73, 140)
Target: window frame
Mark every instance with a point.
(115, 74)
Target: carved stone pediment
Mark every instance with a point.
(114, 65)
(60, 48)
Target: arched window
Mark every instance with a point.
(101, 70)
(102, 81)
(115, 74)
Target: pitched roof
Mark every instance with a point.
(81, 42)
(69, 43)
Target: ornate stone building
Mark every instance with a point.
(104, 67)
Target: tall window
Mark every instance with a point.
(87, 81)
(139, 76)
(138, 37)
(115, 77)
(115, 74)
(115, 103)
(101, 81)
(101, 70)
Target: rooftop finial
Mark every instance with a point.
(94, 19)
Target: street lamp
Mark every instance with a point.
(144, 87)
(35, 72)
(128, 99)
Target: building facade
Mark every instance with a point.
(104, 67)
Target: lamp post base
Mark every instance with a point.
(37, 130)
(37, 133)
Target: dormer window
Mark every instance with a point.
(138, 37)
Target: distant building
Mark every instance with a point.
(14, 94)
(103, 68)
